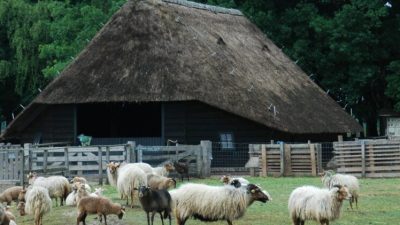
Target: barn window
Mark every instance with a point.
(226, 139)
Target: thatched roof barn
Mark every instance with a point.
(178, 52)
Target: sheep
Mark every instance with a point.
(313, 203)
(157, 182)
(38, 203)
(144, 166)
(182, 169)
(351, 182)
(81, 192)
(100, 206)
(155, 201)
(58, 186)
(10, 194)
(112, 173)
(6, 217)
(164, 170)
(212, 203)
(81, 180)
(130, 177)
(97, 193)
(227, 180)
(71, 198)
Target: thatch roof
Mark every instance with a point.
(156, 50)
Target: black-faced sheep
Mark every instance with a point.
(155, 201)
(10, 194)
(182, 168)
(312, 203)
(100, 206)
(212, 203)
(58, 186)
(329, 179)
(38, 203)
(157, 182)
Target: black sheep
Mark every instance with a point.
(182, 169)
(155, 201)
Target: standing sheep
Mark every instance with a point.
(10, 194)
(164, 170)
(155, 201)
(351, 182)
(312, 203)
(157, 182)
(58, 186)
(38, 203)
(182, 169)
(212, 203)
(144, 166)
(130, 178)
(100, 206)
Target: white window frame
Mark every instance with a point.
(227, 140)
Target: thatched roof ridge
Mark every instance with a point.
(158, 51)
(215, 9)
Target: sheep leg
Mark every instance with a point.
(351, 200)
(356, 199)
(105, 219)
(152, 217)
(81, 217)
(229, 222)
(181, 221)
(161, 217)
(148, 218)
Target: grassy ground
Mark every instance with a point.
(379, 204)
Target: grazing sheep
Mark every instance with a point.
(100, 206)
(351, 182)
(182, 169)
(312, 203)
(58, 186)
(227, 180)
(38, 203)
(155, 201)
(164, 170)
(130, 178)
(10, 194)
(212, 203)
(157, 182)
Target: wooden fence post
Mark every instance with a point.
(66, 158)
(22, 167)
(132, 147)
(371, 158)
(319, 158)
(313, 161)
(207, 157)
(139, 155)
(127, 149)
(287, 160)
(282, 158)
(107, 160)
(363, 159)
(28, 152)
(100, 154)
(264, 161)
(199, 161)
(45, 157)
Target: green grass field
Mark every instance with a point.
(379, 204)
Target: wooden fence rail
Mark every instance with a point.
(368, 158)
(286, 159)
(91, 161)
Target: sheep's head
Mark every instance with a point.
(113, 167)
(257, 194)
(77, 179)
(31, 177)
(21, 208)
(169, 167)
(325, 174)
(236, 183)
(171, 182)
(342, 192)
(21, 195)
(225, 179)
(121, 212)
(144, 191)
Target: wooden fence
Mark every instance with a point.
(368, 158)
(285, 159)
(91, 161)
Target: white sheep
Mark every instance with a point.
(351, 182)
(144, 166)
(58, 186)
(81, 180)
(130, 177)
(100, 206)
(38, 203)
(212, 203)
(164, 170)
(313, 203)
(157, 182)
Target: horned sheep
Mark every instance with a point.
(313, 203)
(212, 203)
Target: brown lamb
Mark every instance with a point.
(10, 194)
(100, 206)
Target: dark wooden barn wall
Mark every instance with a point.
(189, 122)
(55, 123)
